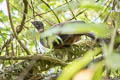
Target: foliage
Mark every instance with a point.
(19, 40)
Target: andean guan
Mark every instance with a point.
(67, 39)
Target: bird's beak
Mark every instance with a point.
(39, 31)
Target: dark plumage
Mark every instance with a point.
(67, 39)
(38, 25)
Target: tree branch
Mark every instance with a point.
(20, 28)
(33, 57)
(24, 16)
(12, 26)
(74, 50)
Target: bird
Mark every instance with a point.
(67, 39)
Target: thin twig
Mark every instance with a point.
(5, 44)
(107, 16)
(77, 14)
(71, 10)
(19, 10)
(49, 22)
(34, 12)
(39, 13)
(32, 8)
(54, 8)
(12, 48)
(51, 10)
(7, 51)
(107, 4)
(86, 16)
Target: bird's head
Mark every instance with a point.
(38, 25)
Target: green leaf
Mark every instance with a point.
(83, 4)
(117, 39)
(1, 1)
(77, 27)
(1, 13)
(98, 71)
(91, 4)
(78, 64)
(3, 16)
(113, 60)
